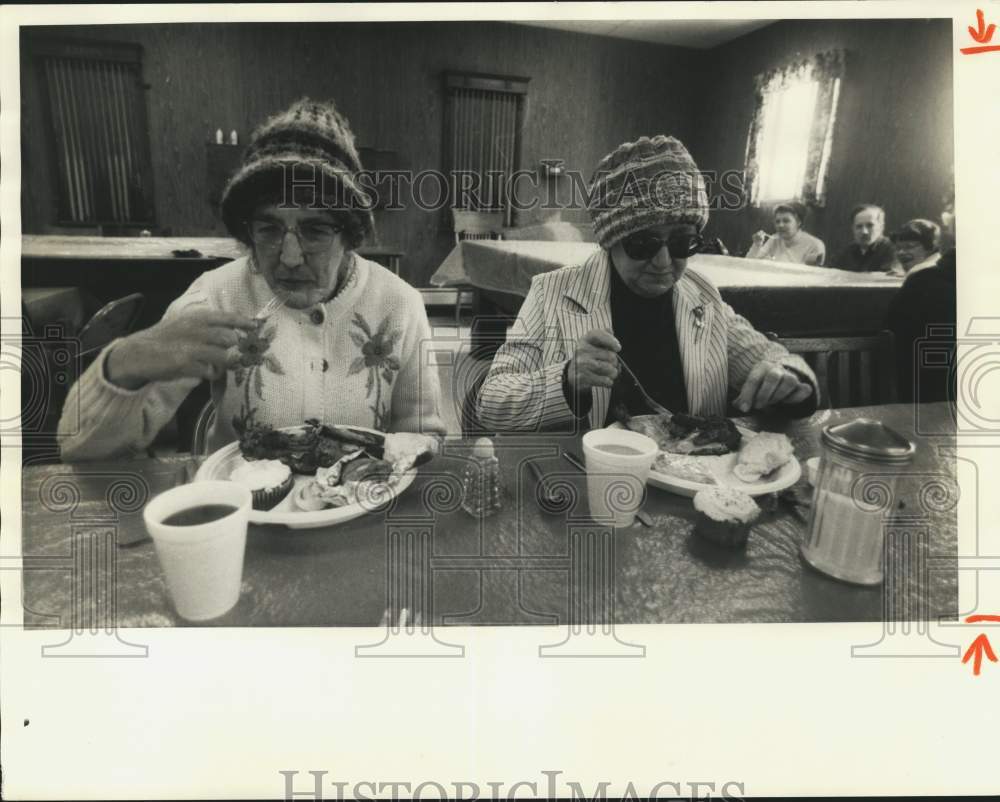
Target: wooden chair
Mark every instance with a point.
(475, 226)
(852, 371)
(205, 421)
(113, 320)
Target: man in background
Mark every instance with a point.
(871, 251)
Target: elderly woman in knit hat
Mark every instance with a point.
(301, 327)
(635, 301)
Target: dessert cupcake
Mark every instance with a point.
(269, 480)
(725, 516)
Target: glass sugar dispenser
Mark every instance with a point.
(854, 490)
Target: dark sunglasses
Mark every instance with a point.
(644, 245)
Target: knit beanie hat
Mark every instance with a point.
(309, 144)
(646, 183)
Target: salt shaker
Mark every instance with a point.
(481, 482)
(855, 487)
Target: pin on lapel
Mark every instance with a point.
(699, 316)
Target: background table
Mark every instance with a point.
(111, 267)
(525, 565)
(774, 296)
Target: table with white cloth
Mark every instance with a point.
(774, 296)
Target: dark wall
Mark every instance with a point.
(894, 136)
(587, 94)
(893, 142)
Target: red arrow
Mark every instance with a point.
(984, 34)
(976, 649)
(973, 619)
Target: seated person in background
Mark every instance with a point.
(926, 299)
(917, 246)
(635, 299)
(340, 336)
(870, 252)
(791, 243)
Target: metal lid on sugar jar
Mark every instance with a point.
(869, 440)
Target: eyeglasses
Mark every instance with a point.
(644, 245)
(313, 237)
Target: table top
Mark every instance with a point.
(47, 246)
(524, 565)
(509, 265)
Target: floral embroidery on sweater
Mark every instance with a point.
(246, 361)
(377, 358)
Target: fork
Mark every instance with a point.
(268, 308)
(659, 409)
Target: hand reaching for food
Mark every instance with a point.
(769, 384)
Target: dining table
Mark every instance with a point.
(161, 268)
(786, 298)
(540, 559)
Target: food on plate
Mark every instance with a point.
(313, 446)
(409, 448)
(725, 516)
(812, 470)
(761, 455)
(355, 478)
(695, 435)
(348, 465)
(681, 466)
(269, 481)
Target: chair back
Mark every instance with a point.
(205, 421)
(476, 225)
(852, 371)
(113, 320)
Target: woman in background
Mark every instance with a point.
(917, 246)
(923, 314)
(789, 243)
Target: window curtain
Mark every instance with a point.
(827, 69)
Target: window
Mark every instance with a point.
(788, 147)
(99, 136)
(484, 122)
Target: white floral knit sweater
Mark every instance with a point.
(359, 359)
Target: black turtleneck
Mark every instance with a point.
(645, 328)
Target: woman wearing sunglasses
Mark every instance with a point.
(636, 302)
(301, 327)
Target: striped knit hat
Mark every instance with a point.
(316, 141)
(646, 183)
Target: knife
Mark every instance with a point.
(540, 477)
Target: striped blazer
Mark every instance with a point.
(523, 389)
